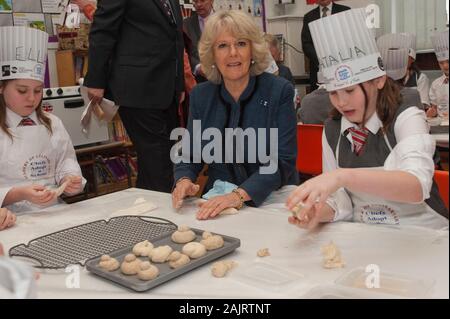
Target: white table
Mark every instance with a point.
(295, 254)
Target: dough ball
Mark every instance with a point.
(130, 265)
(144, 248)
(211, 241)
(177, 259)
(263, 252)
(183, 235)
(194, 250)
(161, 253)
(219, 269)
(147, 271)
(331, 256)
(108, 263)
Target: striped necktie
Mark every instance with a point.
(167, 9)
(359, 137)
(26, 121)
(324, 12)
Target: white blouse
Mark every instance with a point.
(413, 153)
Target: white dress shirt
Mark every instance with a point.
(413, 153)
(439, 91)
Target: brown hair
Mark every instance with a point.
(42, 117)
(388, 101)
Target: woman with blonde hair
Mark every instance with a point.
(238, 95)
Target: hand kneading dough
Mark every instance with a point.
(109, 264)
(147, 271)
(144, 248)
(130, 265)
(161, 253)
(331, 256)
(183, 235)
(211, 241)
(219, 269)
(177, 259)
(263, 252)
(194, 250)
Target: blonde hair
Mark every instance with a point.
(42, 117)
(240, 25)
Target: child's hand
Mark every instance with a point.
(74, 185)
(432, 111)
(7, 219)
(37, 194)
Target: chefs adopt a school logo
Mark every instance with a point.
(36, 167)
(378, 214)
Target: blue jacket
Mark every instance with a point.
(266, 103)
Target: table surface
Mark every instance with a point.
(293, 270)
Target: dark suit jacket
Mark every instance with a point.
(307, 42)
(192, 29)
(136, 53)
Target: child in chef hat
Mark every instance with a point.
(377, 152)
(439, 87)
(37, 155)
(413, 76)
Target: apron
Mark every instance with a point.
(30, 159)
(371, 209)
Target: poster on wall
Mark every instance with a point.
(253, 7)
(53, 6)
(5, 5)
(32, 20)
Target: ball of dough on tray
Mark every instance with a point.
(144, 248)
(194, 250)
(211, 241)
(331, 256)
(147, 271)
(108, 263)
(183, 235)
(161, 253)
(177, 259)
(219, 269)
(130, 265)
(263, 252)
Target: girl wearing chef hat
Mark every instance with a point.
(413, 77)
(36, 152)
(439, 87)
(377, 152)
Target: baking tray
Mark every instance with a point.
(77, 244)
(165, 272)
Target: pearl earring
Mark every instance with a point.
(213, 66)
(253, 62)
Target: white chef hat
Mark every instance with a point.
(346, 49)
(440, 43)
(398, 41)
(395, 62)
(23, 53)
(320, 77)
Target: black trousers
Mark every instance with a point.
(149, 130)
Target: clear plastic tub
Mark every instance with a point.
(341, 292)
(391, 284)
(268, 277)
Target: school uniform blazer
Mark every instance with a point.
(266, 103)
(136, 53)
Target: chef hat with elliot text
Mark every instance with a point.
(23, 53)
(346, 49)
(395, 62)
(440, 44)
(398, 41)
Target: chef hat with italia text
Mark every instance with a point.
(398, 41)
(395, 62)
(440, 44)
(23, 53)
(346, 49)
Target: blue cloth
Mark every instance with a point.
(219, 188)
(266, 103)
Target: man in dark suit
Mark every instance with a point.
(136, 59)
(324, 8)
(193, 27)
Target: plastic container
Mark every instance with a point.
(268, 277)
(389, 284)
(341, 292)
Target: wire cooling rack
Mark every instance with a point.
(77, 244)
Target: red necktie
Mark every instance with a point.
(359, 137)
(26, 121)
